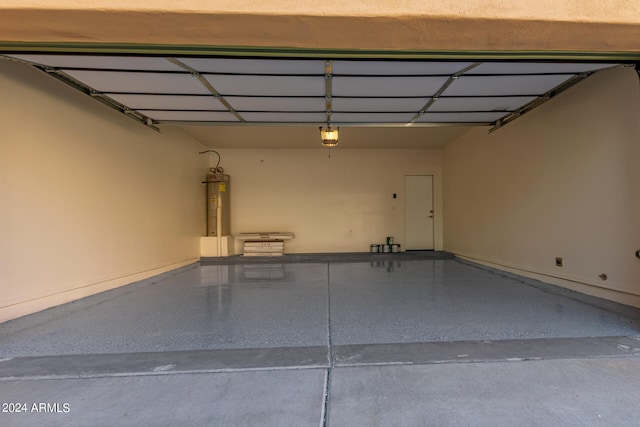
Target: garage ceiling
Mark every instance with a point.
(282, 91)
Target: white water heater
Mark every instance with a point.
(218, 207)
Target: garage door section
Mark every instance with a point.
(309, 91)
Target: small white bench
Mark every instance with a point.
(269, 243)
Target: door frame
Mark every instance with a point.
(438, 244)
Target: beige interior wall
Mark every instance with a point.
(90, 199)
(339, 204)
(561, 181)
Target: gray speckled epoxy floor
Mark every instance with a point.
(325, 341)
(453, 301)
(297, 305)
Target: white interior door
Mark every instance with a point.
(418, 224)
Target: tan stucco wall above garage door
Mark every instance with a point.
(411, 25)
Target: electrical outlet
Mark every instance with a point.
(558, 262)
